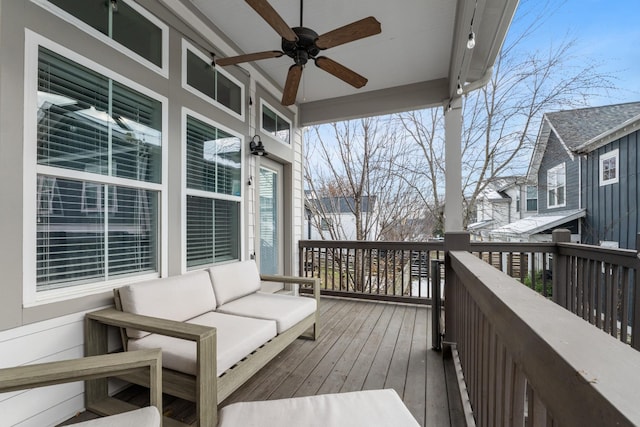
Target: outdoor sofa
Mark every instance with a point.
(215, 328)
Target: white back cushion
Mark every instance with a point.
(235, 280)
(177, 298)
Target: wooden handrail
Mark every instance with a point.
(514, 343)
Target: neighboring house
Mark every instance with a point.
(610, 179)
(503, 201)
(586, 163)
(334, 218)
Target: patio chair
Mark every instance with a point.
(97, 368)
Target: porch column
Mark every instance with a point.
(453, 166)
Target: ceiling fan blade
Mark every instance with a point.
(341, 72)
(272, 17)
(291, 86)
(356, 30)
(249, 57)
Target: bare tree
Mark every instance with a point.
(352, 166)
(501, 120)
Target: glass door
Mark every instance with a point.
(270, 220)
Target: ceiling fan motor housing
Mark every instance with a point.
(302, 49)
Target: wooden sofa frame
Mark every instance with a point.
(94, 370)
(205, 387)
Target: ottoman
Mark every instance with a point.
(354, 409)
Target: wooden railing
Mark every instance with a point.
(396, 271)
(529, 263)
(598, 284)
(528, 361)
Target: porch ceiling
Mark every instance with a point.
(414, 63)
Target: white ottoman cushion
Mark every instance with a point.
(236, 338)
(355, 409)
(143, 417)
(286, 310)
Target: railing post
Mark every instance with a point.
(559, 268)
(453, 241)
(635, 328)
(436, 306)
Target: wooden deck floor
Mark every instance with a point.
(362, 345)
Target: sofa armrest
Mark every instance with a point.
(313, 281)
(155, 325)
(88, 368)
(65, 371)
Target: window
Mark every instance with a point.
(609, 167)
(556, 186)
(212, 84)
(213, 193)
(122, 21)
(532, 198)
(274, 124)
(99, 163)
(518, 201)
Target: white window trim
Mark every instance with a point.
(31, 169)
(527, 198)
(163, 70)
(606, 156)
(289, 143)
(188, 46)
(207, 194)
(564, 168)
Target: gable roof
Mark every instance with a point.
(584, 129)
(576, 127)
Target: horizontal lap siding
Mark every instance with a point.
(612, 210)
(48, 341)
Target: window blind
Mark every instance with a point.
(213, 166)
(87, 230)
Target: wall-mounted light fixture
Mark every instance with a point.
(257, 147)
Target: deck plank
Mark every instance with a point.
(357, 376)
(415, 390)
(377, 376)
(336, 379)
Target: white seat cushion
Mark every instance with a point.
(286, 310)
(355, 409)
(234, 280)
(177, 298)
(236, 337)
(143, 417)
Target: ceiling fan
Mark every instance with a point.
(303, 44)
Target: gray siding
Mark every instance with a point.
(612, 210)
(554, 155)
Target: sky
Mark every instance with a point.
(606, 31)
